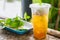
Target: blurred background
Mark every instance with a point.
(11, 8)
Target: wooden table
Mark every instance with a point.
(5, 35)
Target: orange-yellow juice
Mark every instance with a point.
(40, 25)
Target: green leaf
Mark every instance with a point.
(37, 1)
(17, 23)
(16, 18)
(8, 21)
(40, 2)
(26, 16)
(14, 25)
(1, 21)
(21, 23)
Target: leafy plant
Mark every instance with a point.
(26, 17)
(13, 23)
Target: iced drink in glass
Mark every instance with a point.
(40, 19)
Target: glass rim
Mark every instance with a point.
(37, 5)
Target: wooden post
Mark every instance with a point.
(57, 21)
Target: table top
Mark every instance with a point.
(5, 35)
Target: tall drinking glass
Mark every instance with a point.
(40, 19)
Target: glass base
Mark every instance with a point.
(40, 38)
